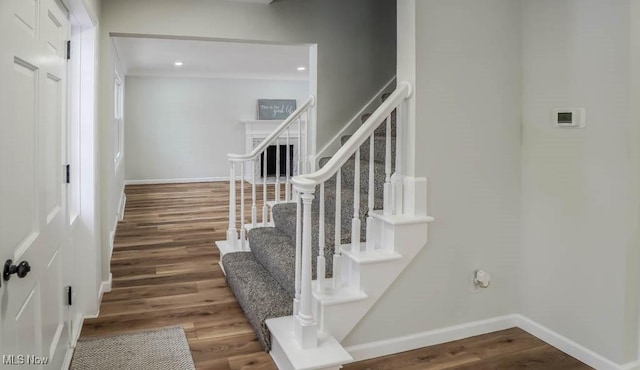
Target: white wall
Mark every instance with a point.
(111, 177)
(356, 39)
(576, 192)
(183, 128)
(356, 56)
(468, 146)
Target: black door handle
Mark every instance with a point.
(21, 269)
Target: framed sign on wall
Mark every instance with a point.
(273, 109)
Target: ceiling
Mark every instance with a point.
(253, 1)
(156, 57)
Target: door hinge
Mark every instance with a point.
(69, 295)
(67, 174)
(69, 50)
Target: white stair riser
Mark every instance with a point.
(373, 278)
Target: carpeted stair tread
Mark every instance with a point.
(263, 280)
(348, 178)
(382, 129)
(379, 148)
(258, 293)
(284, 216)
(276, 252)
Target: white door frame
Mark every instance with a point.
(86, 228)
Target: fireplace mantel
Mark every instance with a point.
(256, 131)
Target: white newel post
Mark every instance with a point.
(296, 299)
(232, 234)
(243, 235)
(305, 327)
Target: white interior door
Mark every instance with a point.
(33, 208)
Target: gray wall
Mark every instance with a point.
(576, 183)
(356, 39)
(356, 56)
(468, 146)
(183, 128)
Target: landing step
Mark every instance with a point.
(258, 224)
(401, 219)
(363, 256)
(286, 352)
(338, 295)
(272, 203)
(225, 247)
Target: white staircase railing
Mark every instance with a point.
(298, 121)
(305, 324)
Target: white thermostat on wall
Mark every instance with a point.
(569, 117)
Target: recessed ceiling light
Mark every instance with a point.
(178, 64)
(301, 68)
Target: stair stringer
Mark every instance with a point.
(400, 239)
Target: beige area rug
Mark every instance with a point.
(165, 349)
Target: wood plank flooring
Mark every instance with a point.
(165, 272)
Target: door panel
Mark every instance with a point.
(26, 15)
(33, 210)
(22, 195)
(52, 127)
(52, 320)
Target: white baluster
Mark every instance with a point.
(387, 170)
(296, 299)
(254, 210)
(355, 222)
(371, 200)
(306, 142)
(337, 272)
(300, 172)
(232, 233)
(321, 267)
(287, 186)
(396, 178)
(265, 209)
(242, 229)
(305, 326)
(277, 194)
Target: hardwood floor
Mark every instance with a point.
(165, 272)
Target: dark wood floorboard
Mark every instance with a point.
(165, 272)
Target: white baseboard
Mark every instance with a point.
(121, 208)
(334, 144)
(175, 181)
(105, 287)
(400, 344)
(75, 335)
(570, 347)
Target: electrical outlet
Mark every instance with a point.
(472, 280)
(480, 280)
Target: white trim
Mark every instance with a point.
(77, 329)
(215, 76)
(332, 146)
(570, 347)
(121, 207)
(175, 181)
(112, 237)
(429, 338)
(105, 287)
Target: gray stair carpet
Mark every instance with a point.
(263, 280)
(258, 293)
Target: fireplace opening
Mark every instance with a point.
(271, 160)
